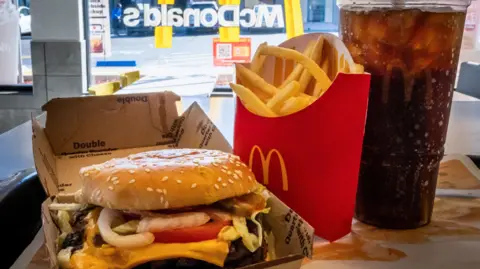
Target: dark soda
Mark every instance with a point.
(412, 55)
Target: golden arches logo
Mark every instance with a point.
(266, 165)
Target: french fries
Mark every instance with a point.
(258, 60)
(252, 102)
(293, 87)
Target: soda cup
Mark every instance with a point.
(411, 49)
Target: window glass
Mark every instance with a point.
(191, 54)
(117, 48)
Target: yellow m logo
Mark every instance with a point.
(266, 165)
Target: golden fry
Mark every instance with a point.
(307, 63)
(258, 60)
(283, 94)
(250, 78)
(297, 71)
(318, 91)
(294, 104)
(253, 103)
(315, 56)
(358, 69)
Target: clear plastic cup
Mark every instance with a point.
(411, 48)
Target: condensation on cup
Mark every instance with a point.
(411, 49)
(9, 38)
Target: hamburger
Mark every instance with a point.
(175, 208)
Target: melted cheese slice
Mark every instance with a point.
(92, 257)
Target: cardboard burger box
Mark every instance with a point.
(90, 130)
(310, 159)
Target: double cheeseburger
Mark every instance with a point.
(178, 208)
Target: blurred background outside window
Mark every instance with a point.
(116, 49)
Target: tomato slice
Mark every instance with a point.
(205, 232)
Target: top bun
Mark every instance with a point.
(165, 179)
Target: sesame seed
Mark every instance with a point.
(159, 190)
(131, 171)
(216, 186)
(161, 199)
(238, 165)
(244, 165)
(224, 185)
(147, 170)
(114, 178)
(149, 189)
(235, 176)
(110, 188)
(232, 161)
(194, 185)
(229, 172)
(131, 181)
(165, 178)
(250, 178)
(166, 204)
(224, 167)
(115, 182)
(165, 191)
(215, 164)
(238, 172)
(85, 174)
(179, 181)
(219, 179)
(231, 181)
(225, 171)
(196, 161)
(108, 179)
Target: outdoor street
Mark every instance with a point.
(188, 55)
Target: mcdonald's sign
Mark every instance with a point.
(266, 165)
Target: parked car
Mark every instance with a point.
(25, 20)
(201, 6)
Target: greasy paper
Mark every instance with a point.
(458, 176)
(458, 172)
(193, 129)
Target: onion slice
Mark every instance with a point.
(122, 241)
(172, 221)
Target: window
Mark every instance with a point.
(191, 56)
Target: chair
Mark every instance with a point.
(107, 88)
(129, 78)
(469, 79)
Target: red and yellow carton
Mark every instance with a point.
(310, 159)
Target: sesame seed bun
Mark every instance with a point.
(166, 179)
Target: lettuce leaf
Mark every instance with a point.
(129, 227)
(251, 241)
(228, 233)
(64, 221)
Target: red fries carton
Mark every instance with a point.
(310, 159)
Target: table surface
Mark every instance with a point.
(463, 137)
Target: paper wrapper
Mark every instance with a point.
(310, 159)
(293, 236)
(458, 176)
